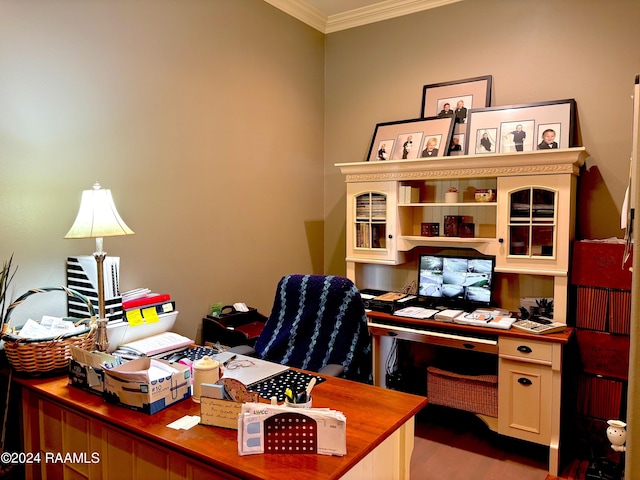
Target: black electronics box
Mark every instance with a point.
(383, 301)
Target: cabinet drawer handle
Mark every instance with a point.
(524, 381)
(524, 349)
(468, 345)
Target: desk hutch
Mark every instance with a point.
(528, 227)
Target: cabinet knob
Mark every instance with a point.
(392, 334)
(524, 381)
(468, 345)
(524, 349)
(501, 240)
(390, 236)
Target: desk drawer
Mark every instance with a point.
(526, 349)
(444, 339)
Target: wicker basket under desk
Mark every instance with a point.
(472, 393)
(50, 355)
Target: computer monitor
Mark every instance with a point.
(456, 281)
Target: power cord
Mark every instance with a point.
(392, 359)
(410, 288)
(393, 378)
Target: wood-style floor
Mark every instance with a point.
(454, 445)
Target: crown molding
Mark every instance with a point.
(379, 12)
(303, 12)
(354, 18)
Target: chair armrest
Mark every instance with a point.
(332, 370)
(244, 350)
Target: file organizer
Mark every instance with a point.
(278, 429)
(82, 277)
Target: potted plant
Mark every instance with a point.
(6, 275)
(451, 196)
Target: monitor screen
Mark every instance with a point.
(456, 281)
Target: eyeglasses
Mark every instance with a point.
(481, 317)
(239, 364)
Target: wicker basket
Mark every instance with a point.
(472, 393)
(50, 355)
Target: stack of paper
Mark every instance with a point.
(278, 429)
(49, 327)
(161, 344)
(416, 312)
(487, 318)
(448, 315)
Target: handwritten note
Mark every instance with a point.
(219, 413)
(134, 317)
(150, 315)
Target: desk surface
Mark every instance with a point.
(372, 413)
(420, 324)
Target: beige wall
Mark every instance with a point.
(204, 118)
(536, 50)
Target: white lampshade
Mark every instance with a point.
(98, 216)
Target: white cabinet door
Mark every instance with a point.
(371, 221)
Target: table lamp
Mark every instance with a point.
(98, 218)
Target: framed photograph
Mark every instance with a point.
(456, 98)
(485, 142)
(521, 128)
(411, 139)
(456, 147)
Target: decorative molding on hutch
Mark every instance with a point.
(542, 162)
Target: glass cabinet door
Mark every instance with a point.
(371, 220)
(532, 222)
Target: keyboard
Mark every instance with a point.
(538, 328)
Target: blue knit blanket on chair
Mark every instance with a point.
(318, 320)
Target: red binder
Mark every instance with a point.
(148, 300)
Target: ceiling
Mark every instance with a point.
(335, 15)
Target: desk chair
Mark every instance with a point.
(317, 323)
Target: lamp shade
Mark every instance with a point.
(98, 216)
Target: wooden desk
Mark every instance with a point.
(529, 371)
(60, 418)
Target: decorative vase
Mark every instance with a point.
(451, 197)
(616, 433)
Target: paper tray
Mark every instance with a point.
(121, 332)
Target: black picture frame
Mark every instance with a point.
(520, 128)
(393, 137)
(474, 92)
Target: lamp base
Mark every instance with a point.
(100, 256)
